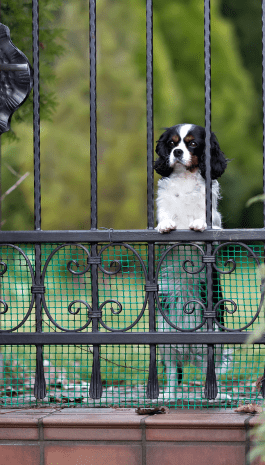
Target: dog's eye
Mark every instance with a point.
(171, 143)
(193, 144)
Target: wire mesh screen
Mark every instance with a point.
(124, 372)
(124, 368)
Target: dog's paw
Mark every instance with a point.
(198, 225)
(166, 226)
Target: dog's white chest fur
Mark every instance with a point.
(181, 201)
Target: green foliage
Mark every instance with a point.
(19, 21)
(246, 18)
(178, 97)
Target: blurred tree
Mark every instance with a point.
(19, 21)
(245, 18)
(178, 97)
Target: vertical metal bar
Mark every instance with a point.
(149, 114)
(263, 99)
(93, 111)
(263, 103)
(210, 385)
(207, 70)
(0, 173)
(95, 390)
(1, 356)
(40, 385)
(152, 390)
(36, 115)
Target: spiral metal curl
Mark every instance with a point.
(113, 262)
(116, 302)
(112, 301)
(72, 313)
(75, 262)
(231, 312)
(2, 302)
(5, 268)
(75, 273)
(190, 312)
(79, 308)
(5, 307)
(187, 312)
(231, 260)
(230, 301)
(112, 309)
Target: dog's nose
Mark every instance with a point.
(178, 153)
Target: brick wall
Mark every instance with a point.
(84, 436)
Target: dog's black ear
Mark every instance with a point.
(161, 165)
(218, 160)
(162, 168)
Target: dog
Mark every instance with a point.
(181, 205)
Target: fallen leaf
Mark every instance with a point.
(151, 411)
(249, 408)
(54, 399)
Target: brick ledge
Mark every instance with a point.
(120, 436)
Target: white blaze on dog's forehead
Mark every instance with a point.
(186, 157)
(184, 130)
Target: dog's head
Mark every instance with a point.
(184, 144)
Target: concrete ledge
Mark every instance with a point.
(47, 436)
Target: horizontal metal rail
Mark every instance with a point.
(68, 338)
(141, 235)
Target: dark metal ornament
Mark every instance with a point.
(16, 78)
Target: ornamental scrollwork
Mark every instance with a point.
(120, 307)
(235, 311)
(179, 281)
(71, 307)
(16, 288)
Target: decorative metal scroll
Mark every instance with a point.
(83, 304)
(118, 304)
(78, 306)
(4, 306)
(188, 315)
(188, 268)
(191, 307)
(232, 262)
(16, 78)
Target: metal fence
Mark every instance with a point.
(94, 295)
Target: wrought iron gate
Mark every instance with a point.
(94, 243)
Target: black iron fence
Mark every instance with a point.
(93, 244)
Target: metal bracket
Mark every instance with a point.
(38, 289)
(208, 259)
(94, 260)
(151, 287)
(209, 314)
(94, 314)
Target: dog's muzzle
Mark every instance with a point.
(178, 153)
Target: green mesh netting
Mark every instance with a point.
(124, 369)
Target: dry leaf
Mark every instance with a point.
(152, 410)
(54, 399)
(249, 408)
